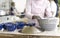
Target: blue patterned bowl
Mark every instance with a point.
(20, 25)
(10, 27)
(1, 26)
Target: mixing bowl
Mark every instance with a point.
(49, 24)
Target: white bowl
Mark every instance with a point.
(49, 24)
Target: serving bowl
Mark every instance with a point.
(9, 27)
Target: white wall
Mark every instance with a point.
(20, 5)
(5, 3)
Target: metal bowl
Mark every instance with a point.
(49, 24)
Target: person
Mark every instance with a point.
(13, 10)
(40, 8)
(56, 1)
(53, 7)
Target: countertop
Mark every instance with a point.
(45, 33)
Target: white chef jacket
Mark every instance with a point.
(38, 8)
